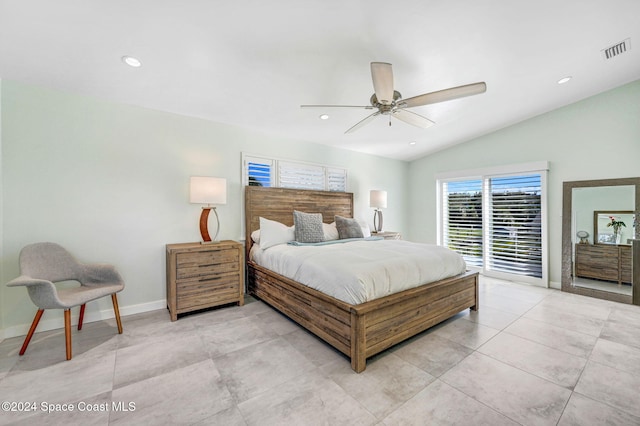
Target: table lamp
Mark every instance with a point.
(208, 190)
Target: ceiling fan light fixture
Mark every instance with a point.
(564, 80)
(131, 61)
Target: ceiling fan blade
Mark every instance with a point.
(382, 76)
(338, 106)
(412, 118)
(444, 95)
(361, 123)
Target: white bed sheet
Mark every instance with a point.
(359, 271)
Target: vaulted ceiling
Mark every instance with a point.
(253, 63)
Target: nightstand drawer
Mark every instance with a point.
(209, 257)
(205, 291)
(189, 269)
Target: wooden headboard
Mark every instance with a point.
(279, 203)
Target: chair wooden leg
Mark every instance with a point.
(34, 324)
(116, 311)
(81, 316)
(67, 331)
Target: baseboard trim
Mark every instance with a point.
(58, 322)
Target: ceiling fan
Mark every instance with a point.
(388, 101)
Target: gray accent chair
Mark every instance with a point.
(43, 264)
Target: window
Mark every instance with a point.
(261, 171)
(463, 219)
(258, 171)
(496, 221)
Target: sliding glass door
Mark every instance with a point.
(497, 223)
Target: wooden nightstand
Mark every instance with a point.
(388, 235)
(204, 275)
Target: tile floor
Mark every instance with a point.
(531, 356)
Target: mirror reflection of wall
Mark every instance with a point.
(594, 266)
(604, 198)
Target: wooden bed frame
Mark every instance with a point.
(358, 331)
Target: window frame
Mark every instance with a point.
(330, 172)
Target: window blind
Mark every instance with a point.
(514, 234)
(462, 227)
(301, 176)
(336, 180)
(259, 173)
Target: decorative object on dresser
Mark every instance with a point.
(584, 237)
(377, 200)
(208, 190)
(203, 276)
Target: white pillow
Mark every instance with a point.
(330, 231)
(273, 233)
(366, 232)
(255, 236)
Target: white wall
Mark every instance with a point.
(596, 138)
(110, 183)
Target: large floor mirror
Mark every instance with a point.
(600, 243)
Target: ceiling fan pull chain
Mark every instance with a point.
(389, 121)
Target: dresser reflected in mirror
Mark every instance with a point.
(599, 232)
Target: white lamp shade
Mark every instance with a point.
(378, 199)
(208, 190)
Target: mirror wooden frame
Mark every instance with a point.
(567, 267)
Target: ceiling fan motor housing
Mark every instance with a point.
(386, 108)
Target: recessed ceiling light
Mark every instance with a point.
(324, 117)
(412, 143)
(564, 80)
(131, 61)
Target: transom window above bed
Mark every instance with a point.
(496, 219)
(265, 171)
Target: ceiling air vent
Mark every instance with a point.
(616, 49)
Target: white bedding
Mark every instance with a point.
(359, 271)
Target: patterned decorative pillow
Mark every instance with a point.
(308, 227)
(348, 228)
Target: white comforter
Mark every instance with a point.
(359, 271)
